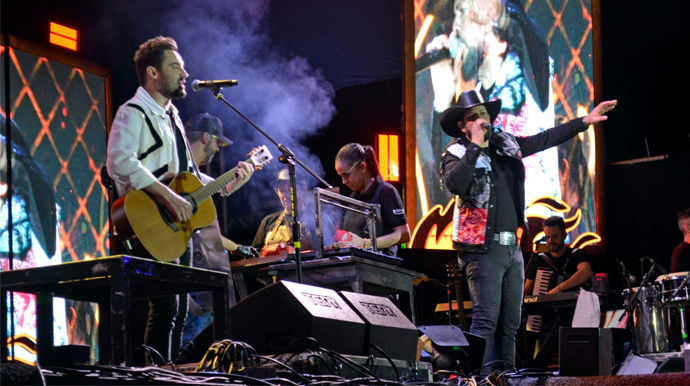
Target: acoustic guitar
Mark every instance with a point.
(141, 220)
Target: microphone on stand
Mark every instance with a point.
(198, 85)
(543, 238)
(656, 265)
(631, 279)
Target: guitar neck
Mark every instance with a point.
(207, 191)
(461, 304)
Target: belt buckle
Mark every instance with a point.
(507, 238)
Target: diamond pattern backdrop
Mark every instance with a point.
(60, 117)
(60, 111)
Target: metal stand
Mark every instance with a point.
(288, 158)
(631, 303)
(371, 211)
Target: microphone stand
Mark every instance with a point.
(288, 158)
(623, 274)
(636, 294)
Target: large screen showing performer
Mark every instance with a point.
(537, 58)
(58, 210)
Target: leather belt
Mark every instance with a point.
(506, 238)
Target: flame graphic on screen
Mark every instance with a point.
(435, 230)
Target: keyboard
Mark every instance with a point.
(541, 287)
(359, 252)
(536, 304)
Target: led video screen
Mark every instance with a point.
(536, 56)
(58, 210)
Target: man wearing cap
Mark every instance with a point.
(205, 135)
(483, 168)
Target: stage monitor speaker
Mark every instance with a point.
(386, 326)
(585, 351)
(273, 317)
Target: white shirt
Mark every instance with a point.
(137, 157)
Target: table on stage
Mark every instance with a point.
(345, 272)
(111, 282)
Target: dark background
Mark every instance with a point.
(357, 47)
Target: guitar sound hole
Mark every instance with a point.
(168, 217)
(191, 201)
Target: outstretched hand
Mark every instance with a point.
(599, 113)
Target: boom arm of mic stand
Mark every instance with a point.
(288, 158)
(282, 148)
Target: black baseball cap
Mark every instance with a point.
(208, 123)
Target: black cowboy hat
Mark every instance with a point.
(468, 99)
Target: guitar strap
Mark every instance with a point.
(182, 147)
(548, 261)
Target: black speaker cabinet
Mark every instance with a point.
(585, 351)
(271, 318)
(386, 326)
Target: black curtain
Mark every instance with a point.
(642, 203)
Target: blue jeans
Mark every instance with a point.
(167, 317)
(496, 282)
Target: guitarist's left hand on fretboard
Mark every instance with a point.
(243, 174)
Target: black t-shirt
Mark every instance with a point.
(680, 262)
(566, 265)
(392, 212)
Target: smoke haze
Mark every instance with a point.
(278, 91)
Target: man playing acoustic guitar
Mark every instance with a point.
(147, 146)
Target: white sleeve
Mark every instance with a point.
(123, 150)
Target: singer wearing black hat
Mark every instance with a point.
(483, 168)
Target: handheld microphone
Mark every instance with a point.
(434, 56)
(656, 265)
(487, 127)
(198, 85)
(430, 58)
(631, 279)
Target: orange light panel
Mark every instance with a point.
(394, 164)
(64, 31)
(63, 36)
(383, 156)
(389, 166)
(63, 41)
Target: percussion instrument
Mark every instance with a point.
(650, 333)
(669, 283)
